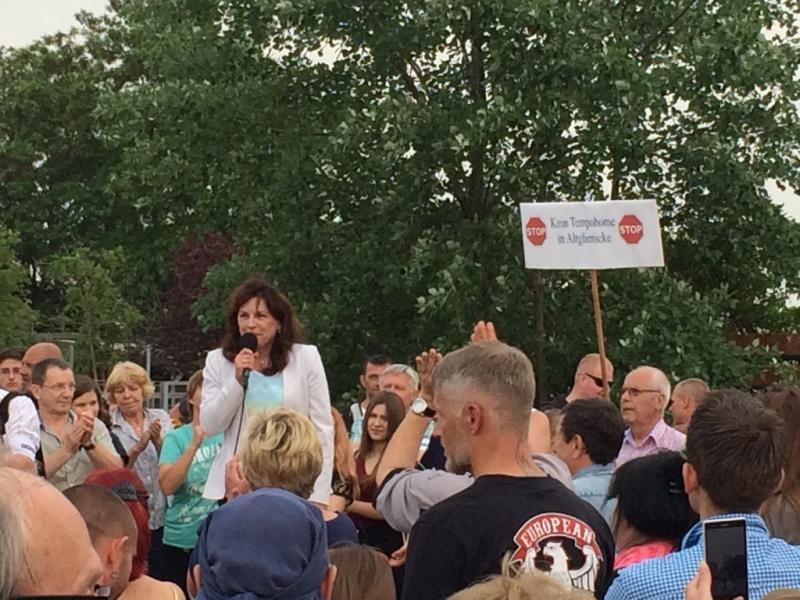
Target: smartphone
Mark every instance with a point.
(726, 554)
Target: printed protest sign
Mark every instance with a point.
(592, 235)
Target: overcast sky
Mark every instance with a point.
(22, 21)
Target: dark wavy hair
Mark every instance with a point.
(651, 498)
(278, 305)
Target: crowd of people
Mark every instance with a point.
(442, 481)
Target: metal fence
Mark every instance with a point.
(168, 393)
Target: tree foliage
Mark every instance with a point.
(94, 310)
(15, 313)
(369, 157)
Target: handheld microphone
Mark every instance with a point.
(249, 341)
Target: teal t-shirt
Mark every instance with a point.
(187, 508)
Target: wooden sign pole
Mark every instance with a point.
(598, 325)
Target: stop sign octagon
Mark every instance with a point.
(630, 229)
(536, 231)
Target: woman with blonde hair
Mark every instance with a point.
(141, 431)
(281, 449)
(520, 586)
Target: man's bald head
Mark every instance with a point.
(588, 381)
(106, 516)
(686, 396)
(58, 557)
(645, 393)
(34, 355)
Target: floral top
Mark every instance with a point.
(146, 466)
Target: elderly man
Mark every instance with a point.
(49, 540)
(645, 393)
(587, 383)
(403, 381)
(482, 398)
(73, 444)
(735, 451)
(685, 398)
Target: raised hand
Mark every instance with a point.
(425, 365)
(483, 332)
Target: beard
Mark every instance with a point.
(459, 467)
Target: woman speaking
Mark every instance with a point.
(277, 372)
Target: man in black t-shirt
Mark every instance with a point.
(482, 397)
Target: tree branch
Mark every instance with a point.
(646, 47)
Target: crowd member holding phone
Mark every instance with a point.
(279, 372)
(735, 452)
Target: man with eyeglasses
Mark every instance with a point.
(73, 445)
(645, 393)
(588, 382)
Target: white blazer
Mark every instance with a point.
(305, 389)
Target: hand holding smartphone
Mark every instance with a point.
(726, 555)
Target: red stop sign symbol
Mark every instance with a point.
(630, 229)
(536, 231)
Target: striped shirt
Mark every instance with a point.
(661, 437)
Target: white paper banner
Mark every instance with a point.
(592, 235)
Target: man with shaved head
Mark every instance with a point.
(645, 393)
(33, 356)
(587, 383)
(685, 398)
(112, 531)
(56, 552)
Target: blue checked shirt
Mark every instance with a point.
(772, 564)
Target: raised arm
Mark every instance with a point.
(403, 448)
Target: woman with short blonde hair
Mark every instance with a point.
(281, 449)
(141, 430)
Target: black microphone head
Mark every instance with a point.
(249, 341)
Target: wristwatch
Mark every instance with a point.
(420, 408)
(89, 446)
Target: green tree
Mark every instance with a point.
(378, 187)
(15, 313)
(94, 310)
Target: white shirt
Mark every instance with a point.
(22, 428)
(305, 390)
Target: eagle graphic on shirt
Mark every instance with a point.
(560, 545)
